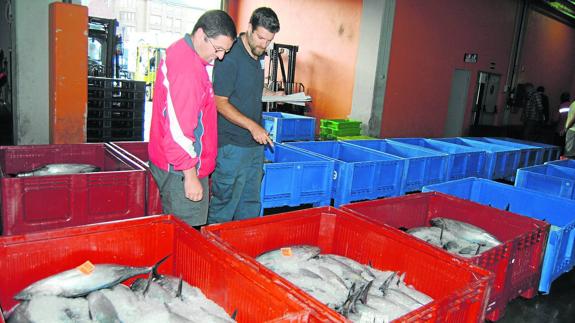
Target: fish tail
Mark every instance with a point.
(180, 286)
(154, 269)
(364, 292)
(148, 283)
(383, 288)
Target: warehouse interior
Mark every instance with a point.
(384, 53)
(401, 68)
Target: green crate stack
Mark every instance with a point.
(355, 138)
(334, 128)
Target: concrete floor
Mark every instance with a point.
(556, 307)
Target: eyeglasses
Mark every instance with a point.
(218, 49)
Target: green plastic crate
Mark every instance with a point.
(356, 138)
(337, 124)
(340, 132)
(325, 130)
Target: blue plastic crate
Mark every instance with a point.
(530, 155)
(550, 152)
(293, 177)
(462, 161)
(550, 179)
(359, 173)
(424, 166)
(502, 162)
(288, 127)
(563, 163)
(559, 212)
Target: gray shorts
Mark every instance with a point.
(174, 200)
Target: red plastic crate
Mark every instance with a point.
(138, 151)
(460, 290)
(141, 242)
(516, 263)
(39, 203)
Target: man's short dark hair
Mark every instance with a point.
(265, 17)
(216, 23)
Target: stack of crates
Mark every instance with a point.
(337, 128)
(115, 110)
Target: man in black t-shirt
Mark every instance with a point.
(238, 85)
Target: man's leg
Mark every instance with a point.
(227, 184)
(249, 204)
(174, 200)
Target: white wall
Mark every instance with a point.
(372, 64)
(31, 26)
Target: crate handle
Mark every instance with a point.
(569, 249)
(114, 150)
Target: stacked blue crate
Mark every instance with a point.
(550, 179)
(559, 255)
(293, 177)
(462, 161)
(564, 163)
(424, 166)
(359, 173)
(530, 155)
(502, 162)
(550, 152)
(284, 127)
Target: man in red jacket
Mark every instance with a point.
(183, 133)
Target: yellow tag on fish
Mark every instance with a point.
(286, 252)
(86, 268)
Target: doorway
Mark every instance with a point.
(486, 95)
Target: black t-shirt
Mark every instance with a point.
(240, 78)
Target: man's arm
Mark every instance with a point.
(182, 109)
(228, 111)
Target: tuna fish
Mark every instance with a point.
(75, 283)
(466, 231)
(60, 169)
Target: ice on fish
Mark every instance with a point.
(51, 309)
(357, 291)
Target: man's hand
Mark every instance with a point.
(260, 135)
(192, 186)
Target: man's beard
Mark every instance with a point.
(253, 48)
(258, 51)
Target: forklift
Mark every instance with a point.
(104, 48)
(287, 83)
(147, 59)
